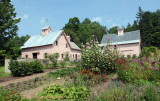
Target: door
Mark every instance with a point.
(35, 55)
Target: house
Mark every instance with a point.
(128, 43)
(49, 42)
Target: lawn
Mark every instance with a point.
(2, 72)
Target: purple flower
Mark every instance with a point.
(144, 58)
(157, 69)
(153, 67)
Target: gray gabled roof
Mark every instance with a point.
(41, 40)
(74, 46)
(130, 37)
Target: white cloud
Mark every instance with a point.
(113, 25)
(109, 21)
(23, 17)
(43, 20)
(97, 19)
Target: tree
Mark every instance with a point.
(139, 15)
(73, 24)
(8, 21)
(12, 47)
(113, 30)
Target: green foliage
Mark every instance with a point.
(66, 57)
(125, 92)
(25, 68)
(62, 63)
(150, 52)
(63, 72)
(20, 68)
(61, 93)
(113, 30)
(37, 66)
(9, 95)
(82, 32)
(53, 58)
(8, 25)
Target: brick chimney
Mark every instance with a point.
(120, 31)
(68, 38)
(46, 30)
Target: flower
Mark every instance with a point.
(153, 67)
(157, 69)
(144, 58)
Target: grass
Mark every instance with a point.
(2, 72)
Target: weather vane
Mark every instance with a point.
(46, 22)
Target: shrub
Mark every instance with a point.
(61, 93)
(37, 66)
(20, 68)
(53, 58)
(25, 68)
(94, 57)
(66, 57)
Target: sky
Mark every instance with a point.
(109, 13)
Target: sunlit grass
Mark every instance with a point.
(2, 72)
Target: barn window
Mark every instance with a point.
(45, 55)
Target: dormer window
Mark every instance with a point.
(56, 43)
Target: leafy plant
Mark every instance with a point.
(63, 72)
(59, 92)
(9, 95)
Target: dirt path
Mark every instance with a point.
(32, 93)
(21, 79)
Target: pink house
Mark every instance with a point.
(48, 42)
(128, 43)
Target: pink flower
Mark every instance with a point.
(157, 69)
(109, 37)
(153, 67)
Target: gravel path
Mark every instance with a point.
(21, 79)
(32, 93)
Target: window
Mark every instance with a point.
(73, 55)
(45, 55)
(62, 56)
(26, 56)
(66, 45)
(56, 43)
(115, 47)
(76, 56)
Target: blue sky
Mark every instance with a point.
(107, 12)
